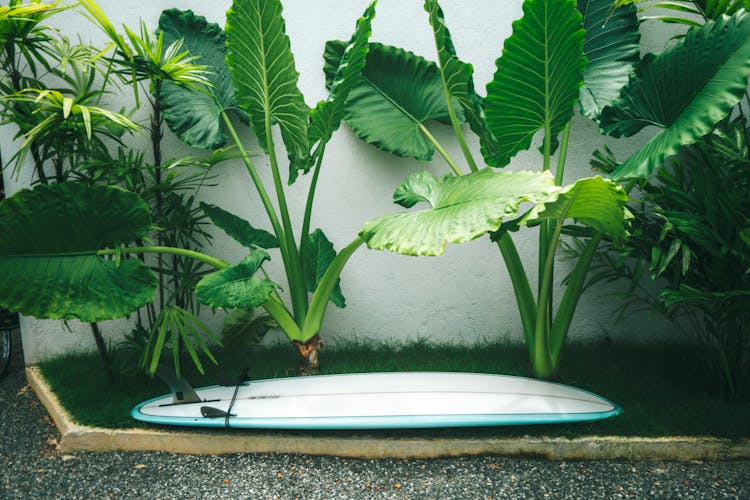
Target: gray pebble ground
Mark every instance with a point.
(31, 467)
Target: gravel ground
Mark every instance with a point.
(31, 467)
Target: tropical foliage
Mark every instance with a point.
(561, 55)
(259, 78)
(688, 256)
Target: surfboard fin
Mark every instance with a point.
(211, 412)
(182, 392)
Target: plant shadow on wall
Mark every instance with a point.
(691, 229)
(562, 55)
(97, 271)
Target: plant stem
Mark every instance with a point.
(544, 300)
(443, 152)
(457, 128)
(182, 252)
(543, 363)
(156, 137)
(560, 172)
(102, 348)
(270, 211)
(570, 298)
(295, 279)
(521, 287)
(322, 294)
(304, 238)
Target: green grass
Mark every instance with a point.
(660, 388)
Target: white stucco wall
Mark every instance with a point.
(463, 295)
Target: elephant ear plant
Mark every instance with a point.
(84, 272)
(538, 81)
(562, 54)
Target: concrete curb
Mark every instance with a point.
(82, 438)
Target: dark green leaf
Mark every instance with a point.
(612, 48)
(398, 93)
(538, 77)
(194, 116)
(235, 287)
(321, 255)
(243, 327)
(459, 81)
(49, 267)
(685, 91)
(239, 229)
(326, 117)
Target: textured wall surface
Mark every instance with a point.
(464, 295)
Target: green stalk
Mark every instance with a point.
(322, 294)
(563, 155)
(304, 240)
(265, 199)
(457, 127)
(570, 298)
(279, 312)
(295, 279)
(543, 364)
(270, 211)
(441, 150)
(521, 287)
(182, 252)
(544, 300)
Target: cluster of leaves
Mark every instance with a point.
(561, 52)
(690, 226)
(690, 235)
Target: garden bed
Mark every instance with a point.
(660, 388)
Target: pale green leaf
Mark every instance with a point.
(461, 209)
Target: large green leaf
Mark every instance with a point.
(239, 229)
(196, 117)
(459, 83)
(462, 209)
(538, 77)
(49, 267)
(593, 201)
(261, 63)
(612, 48)
(685, 91)
(321, 255)
(326, 117)
(236, 287)
(398, 93)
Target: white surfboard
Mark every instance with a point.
(380, 401)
